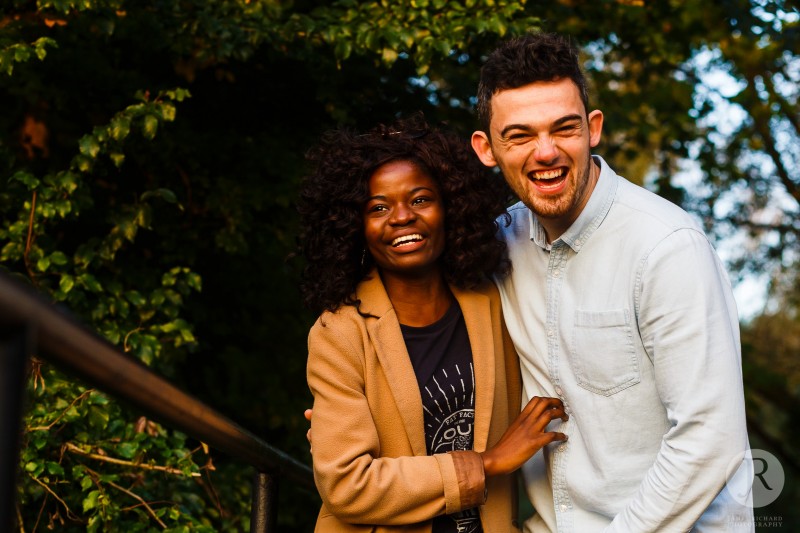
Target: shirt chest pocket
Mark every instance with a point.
(602, 353)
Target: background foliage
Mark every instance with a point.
(150, 154)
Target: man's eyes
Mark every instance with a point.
(568, 129)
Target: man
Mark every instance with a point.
(618, 305)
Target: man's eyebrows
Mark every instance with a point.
(556, 123)
(514, 127)
(568, 118)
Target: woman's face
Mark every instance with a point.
(404, 219)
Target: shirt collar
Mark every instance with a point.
(590, 218)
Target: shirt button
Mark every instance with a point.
(556, 273)
(559, 391)
(563, 508)
(550, 332)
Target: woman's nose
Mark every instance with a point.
(402, 214)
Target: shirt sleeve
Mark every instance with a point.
(689, 326)
(356, 484)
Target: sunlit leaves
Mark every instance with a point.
(143, 117)
(420, 29)
(21, 52)
(67, 6)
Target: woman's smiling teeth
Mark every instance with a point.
(405, 240)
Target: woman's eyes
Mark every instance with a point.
(379, 208)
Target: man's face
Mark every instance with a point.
(541, 139)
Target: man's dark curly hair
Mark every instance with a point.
(333, 196)
(523, 60)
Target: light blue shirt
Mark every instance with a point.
(629, 318)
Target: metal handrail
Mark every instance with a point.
(60, 338)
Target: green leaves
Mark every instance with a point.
(90, 146)
(144, 117)
(21, 52)
(421, 29)
(149, 126)
(67, 6)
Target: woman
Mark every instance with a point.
(415, 379)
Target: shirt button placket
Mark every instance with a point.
(560, 494)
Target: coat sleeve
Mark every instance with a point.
(356, 483)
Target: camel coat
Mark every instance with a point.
(370, 461)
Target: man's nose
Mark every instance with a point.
(546, 150)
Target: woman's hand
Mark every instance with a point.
(525, 436)
(307, 415)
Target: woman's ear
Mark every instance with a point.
(483, 148)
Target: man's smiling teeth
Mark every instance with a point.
(547, 174)
(407, 239)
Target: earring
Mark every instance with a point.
(363, 257)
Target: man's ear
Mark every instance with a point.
(595, 127)
(483, 148)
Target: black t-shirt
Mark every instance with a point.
(442, 359)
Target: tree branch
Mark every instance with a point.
(64, 412)
(141, 501)
(29, 240)
(122, 462)
(762, 129)
(19, 518)
(70, 514)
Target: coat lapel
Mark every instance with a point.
(391, 351)
(477, 314)
(387, 339)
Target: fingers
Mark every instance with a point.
(553, 436)
(544, 410)
(539, 404)
(551, 414)
(307, 415)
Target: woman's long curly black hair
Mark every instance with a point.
(333, 196)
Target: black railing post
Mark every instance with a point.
(14, 351)
(264, 508)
